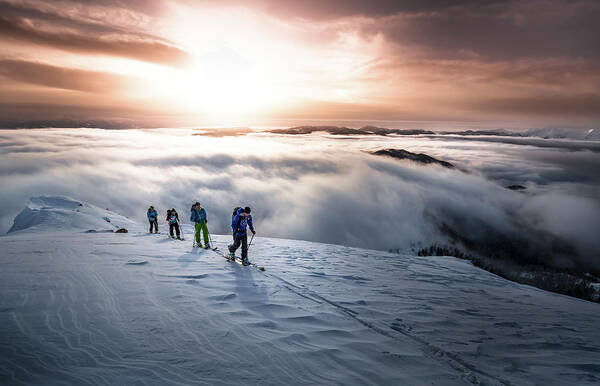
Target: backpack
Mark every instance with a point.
(235, 212)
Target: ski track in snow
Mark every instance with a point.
(103, 308)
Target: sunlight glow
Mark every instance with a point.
(220, 82)
(244, 66)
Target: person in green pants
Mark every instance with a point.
(198, 217)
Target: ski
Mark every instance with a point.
(238, 260)
(199, 246)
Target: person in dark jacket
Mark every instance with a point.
(152, 219)
(173, 221)
(240, 222)
(198, 217)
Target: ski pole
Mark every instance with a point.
(194, 235)
(210, 238)
(181, 230)
(252, 238)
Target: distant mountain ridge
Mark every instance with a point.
(337, 130)
(407, 155)
(546, 133)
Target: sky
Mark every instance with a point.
(172, 63)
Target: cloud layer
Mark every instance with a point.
(321, 189)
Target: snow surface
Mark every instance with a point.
(136, 308)
(62, 213)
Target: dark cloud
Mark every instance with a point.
(62, 17)
(125, 45)
(65, 78)
(113, 115)
(333, 9)
(498, 31)
(461, 28)
(561, 105)
(547, 76)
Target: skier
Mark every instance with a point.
(152, 218)
(173, 220)
(198, 217)
(239, 223)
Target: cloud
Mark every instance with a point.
(92, 111)
(334, 9)
(538, 142)
(128, 45)
(65, 78)
(64, 14)
(489, 61)
(289, 167)
(496, 31)
(493, 29)
(325, 190)
(558, 105)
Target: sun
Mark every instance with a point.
(246, 66)
(223, 81)
(220, 83)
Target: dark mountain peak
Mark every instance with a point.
(420, 158)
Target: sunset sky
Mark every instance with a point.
(168, 63)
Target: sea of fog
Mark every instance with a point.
(327, 188)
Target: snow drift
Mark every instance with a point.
(136, 308)
(62, 213)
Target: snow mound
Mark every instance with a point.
(62, 213)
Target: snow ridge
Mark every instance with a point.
(61, 213)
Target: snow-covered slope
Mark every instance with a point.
(60, 213)
(107, 308)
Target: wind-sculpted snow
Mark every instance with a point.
(59, 213)
(106, 308)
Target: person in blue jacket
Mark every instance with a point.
(152, 218)
(241, 220)
(198, 217)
